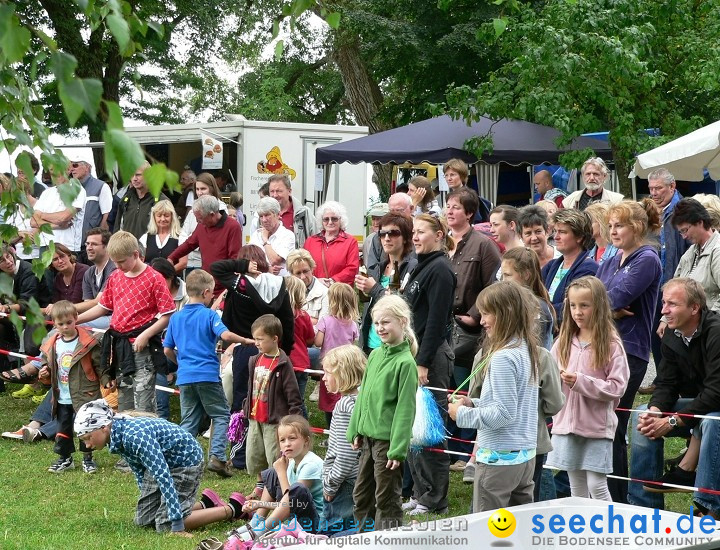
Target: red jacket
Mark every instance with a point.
(341, 257)
(220, 242)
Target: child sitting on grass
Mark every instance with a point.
(194, 331)
(293, 486)
(72, 356)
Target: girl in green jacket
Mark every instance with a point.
(382, 420)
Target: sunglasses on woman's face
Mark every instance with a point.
(389, 233)
(331, 219)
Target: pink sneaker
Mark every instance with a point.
(238, 500)
(211, 497)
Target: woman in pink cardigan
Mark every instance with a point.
(336, 253)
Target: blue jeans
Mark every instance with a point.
(647, 461)
(314, 354)
(43, 415)
(337, 513)
(162, 397)
(202, 398)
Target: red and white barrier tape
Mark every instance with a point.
(20, 355)
(660, 413)
(315, 371)
(658, 483)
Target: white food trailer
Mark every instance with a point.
(251, 151)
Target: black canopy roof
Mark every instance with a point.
(439, 139)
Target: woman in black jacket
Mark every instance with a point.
(251, 292)
(399, 259)
(429, 291)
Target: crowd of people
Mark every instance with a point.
(546, 319)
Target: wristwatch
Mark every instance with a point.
(672, 421)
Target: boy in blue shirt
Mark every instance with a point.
(193, 332)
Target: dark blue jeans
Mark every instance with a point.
(647, 460)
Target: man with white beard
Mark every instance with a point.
(595, 173)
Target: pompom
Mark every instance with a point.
(237, 429)
(429, 428)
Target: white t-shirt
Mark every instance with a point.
(282, 242)
(51, 203)
(63, 354)
(104, 200)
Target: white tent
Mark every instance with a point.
(686, 156)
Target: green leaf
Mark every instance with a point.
(155, 178)
(123, 150)
(119, 29)
(157, 27)
(23, 163)
(47, 255)
(62, 65)
(499, 24)
(114, 116)
(78, 95)
(69, 191)
(279, 47)
(172, 180)
(14, 38)
(333, 19)
(6, 285)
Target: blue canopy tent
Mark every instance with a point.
(439, 139)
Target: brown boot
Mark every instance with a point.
(220, 467)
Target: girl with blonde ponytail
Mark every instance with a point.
(382, 420)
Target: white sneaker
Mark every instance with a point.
(419, 510)
(410, 505)
(14, 435)
(315, 395)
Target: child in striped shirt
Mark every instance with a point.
(506, 414)
(344, 368)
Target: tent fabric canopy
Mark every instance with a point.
(439, 139)
(685, 157)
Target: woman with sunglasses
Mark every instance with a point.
(336, 254)
(398, 260)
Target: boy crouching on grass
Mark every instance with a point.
(71, 357)
(194, 331)
(167, 463)
(165, 458)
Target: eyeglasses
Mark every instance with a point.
(331, 219)
(75, 164)
(684, 230)
(389, 233)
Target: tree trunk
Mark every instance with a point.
(363, 95)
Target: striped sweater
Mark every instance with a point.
(505, 416)
(341, 462)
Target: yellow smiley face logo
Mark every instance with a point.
(502, 523)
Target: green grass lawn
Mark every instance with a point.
(74, 510)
